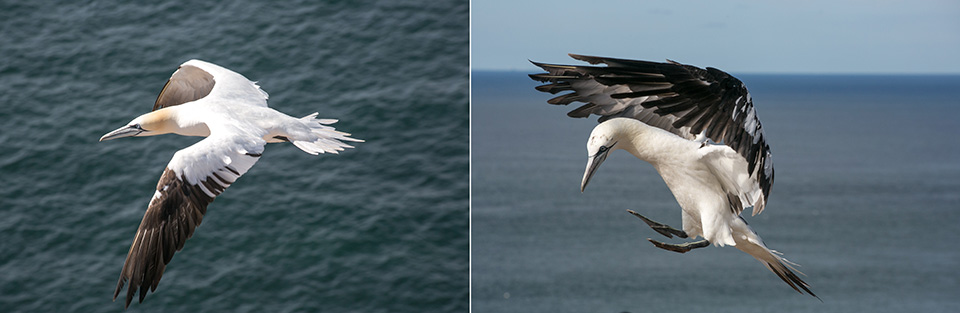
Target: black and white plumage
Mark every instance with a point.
(697, 127)
(691, 102)
(204, 99)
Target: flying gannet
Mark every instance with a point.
(699, 130)
(204, 99)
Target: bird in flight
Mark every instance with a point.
(206, 100)
(700, 131)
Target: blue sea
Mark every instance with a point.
(380, 228)
(866, 200)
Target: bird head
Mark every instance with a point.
(153, 123)
(603, 140)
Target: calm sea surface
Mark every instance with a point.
(866, 199)
(379, 228)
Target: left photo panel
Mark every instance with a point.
(295, 156)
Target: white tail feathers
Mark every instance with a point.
(322, 138)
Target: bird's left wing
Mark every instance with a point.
(192, 179)
(196, 79)
(188, 83)
(686, 100)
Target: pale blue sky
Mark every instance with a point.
(821, 36)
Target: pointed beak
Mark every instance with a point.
(593, 163)
(126, 131)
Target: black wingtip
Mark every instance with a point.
(116, 293)
(791, 279)
(130, 293)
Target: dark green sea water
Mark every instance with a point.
(379, 228)
(866, 199)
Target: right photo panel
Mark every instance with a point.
(714, 156)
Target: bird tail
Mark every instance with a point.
(748, 241)
(322, 138)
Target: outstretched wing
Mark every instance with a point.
(691, 102)
(192, 179)
(196, 79)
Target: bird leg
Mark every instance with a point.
(680, 248)
(663, 229)
(669, 232)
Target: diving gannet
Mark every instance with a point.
(699, 130)
(204, 99)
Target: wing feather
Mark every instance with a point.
(730, 169)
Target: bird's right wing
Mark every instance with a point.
(192, 179)
(742, 189)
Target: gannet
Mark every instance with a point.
(699, 130)
(204, 99)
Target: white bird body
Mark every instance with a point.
(673, 115)
(687, 167)
(206, 100)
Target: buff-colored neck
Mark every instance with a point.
(168, 120)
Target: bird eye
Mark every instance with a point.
(137, 126)
(603, 149)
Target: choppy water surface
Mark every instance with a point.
(866, 199)
(379, 228)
